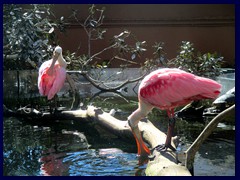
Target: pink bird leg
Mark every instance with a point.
(166, 89)
(52, 75)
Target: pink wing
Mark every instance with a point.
(168, 88)
(58, 83)
(44, 81)
(50, 85)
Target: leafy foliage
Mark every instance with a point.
(27, 35)
(207, 64)
(159, 59)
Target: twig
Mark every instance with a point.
(100, 52)
(126, 60)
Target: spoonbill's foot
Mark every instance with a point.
(164, 147)
(151, 157)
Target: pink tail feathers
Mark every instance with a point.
(210, 88)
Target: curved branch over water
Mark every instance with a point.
(101, 85)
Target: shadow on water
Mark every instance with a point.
(35, 149)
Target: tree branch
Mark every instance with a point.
(100, 52)
(101, 85)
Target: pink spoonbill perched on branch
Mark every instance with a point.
(52, 74)
(166, 89)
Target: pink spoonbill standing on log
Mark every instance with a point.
(166, 89)
(52, 74)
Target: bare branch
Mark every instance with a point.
(103, 87)
(100, 52)
(10, 56)
(126, 60)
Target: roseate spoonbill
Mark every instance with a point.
(166, 89)
(52, 74)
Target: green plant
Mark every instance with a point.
(159, 59)
(206, 64)
(27, 35)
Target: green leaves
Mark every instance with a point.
(27, 33)
(159, 57)
(197, 63)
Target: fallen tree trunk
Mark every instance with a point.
(163, 164)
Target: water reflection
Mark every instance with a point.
(52, 163)
(210, 158)
(49, 151)
(90, 162)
